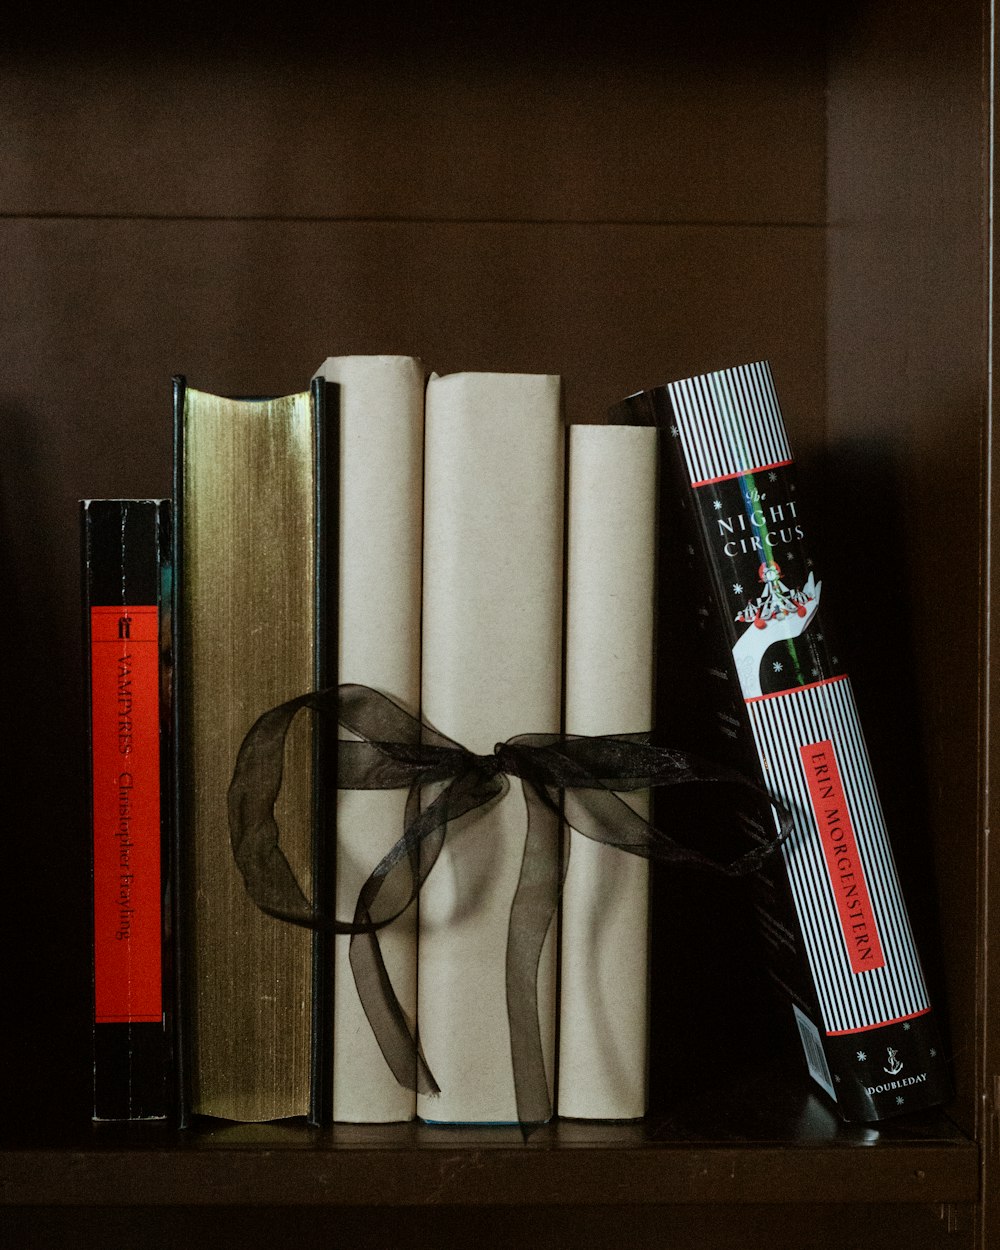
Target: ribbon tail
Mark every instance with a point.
(398, 1044)
(402, 873)
(531, 915)
(396, 1039)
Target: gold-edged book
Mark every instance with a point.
(250, 483)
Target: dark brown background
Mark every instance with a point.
(618, 198)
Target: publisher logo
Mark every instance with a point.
(905, 1082)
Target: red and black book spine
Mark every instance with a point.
(833, 920)
(126, 576)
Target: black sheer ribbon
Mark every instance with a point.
(569, 782)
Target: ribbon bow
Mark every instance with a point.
(569, 782)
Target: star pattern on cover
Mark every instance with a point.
(717, 504)
(737, 588)
(900, 1100)
(862, 1057)
(674, 432)
(778, 666)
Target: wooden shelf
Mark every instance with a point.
(761, 1139)
(802, 1156)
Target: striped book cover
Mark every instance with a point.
(834, 923)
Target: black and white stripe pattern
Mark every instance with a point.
(781, 725)
(729, 422)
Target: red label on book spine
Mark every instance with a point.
(126, 786)
(840, 850)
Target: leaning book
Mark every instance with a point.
(126, 585)
(834, 923)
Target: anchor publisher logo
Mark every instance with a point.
(893, 1064)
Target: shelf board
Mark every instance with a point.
(739, 1148)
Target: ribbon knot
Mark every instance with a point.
(577, 780)
(502, 760)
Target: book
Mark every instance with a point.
(604, 935)
(126, 586)
(252, 618)
(494, 462)
(834, 923)
(381, 403)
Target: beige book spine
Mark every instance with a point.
(381, 404)
(491, 668)
(611, 560)
(248, 639)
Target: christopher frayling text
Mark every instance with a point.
(125, 786)
(125, 847)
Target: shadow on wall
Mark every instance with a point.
(45, 883)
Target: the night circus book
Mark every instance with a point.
(834, 921)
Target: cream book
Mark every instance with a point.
(381, 405)
(494, 461)
(249, 489)
(604, 938)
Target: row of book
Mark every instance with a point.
(447, 544)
